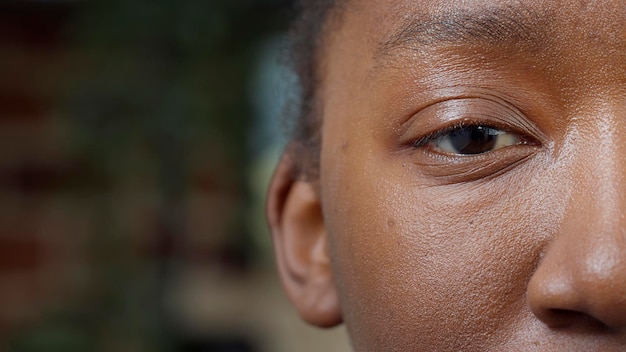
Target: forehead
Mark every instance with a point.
(384, 29)
(515, 12)
(573, 44)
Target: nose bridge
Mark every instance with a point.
(599, 173)
(595, 219)
(594, 226)
(584, 267)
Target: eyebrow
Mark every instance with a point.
(493, 26)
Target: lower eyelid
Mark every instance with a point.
(448, 169)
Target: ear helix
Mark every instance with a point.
(297, 225)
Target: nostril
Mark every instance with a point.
(571, 319)
(559, 318)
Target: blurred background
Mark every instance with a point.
(137, 139)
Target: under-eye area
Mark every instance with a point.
(446, 169)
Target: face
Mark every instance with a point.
(472, 184)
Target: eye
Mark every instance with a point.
(469, 140)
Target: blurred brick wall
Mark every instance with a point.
(35, 166)
(53, 204)
(138, 244)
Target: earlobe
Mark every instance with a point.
(295, 218)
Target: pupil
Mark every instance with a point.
(474, 139)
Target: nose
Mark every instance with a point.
(581, 278)
(587, 286)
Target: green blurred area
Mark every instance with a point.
(147, 108)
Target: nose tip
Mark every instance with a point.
(563, 304)
(588, 289)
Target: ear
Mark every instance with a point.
(295, 218)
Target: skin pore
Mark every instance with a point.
(471, 192)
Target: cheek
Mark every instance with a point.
(435, 266)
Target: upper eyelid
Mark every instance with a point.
(453, 97)
(476, 109)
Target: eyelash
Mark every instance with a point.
(421, 142)
(440, 140)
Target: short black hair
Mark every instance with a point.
(303, 116)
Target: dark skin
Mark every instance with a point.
(471, 192)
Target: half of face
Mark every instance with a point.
(471, 192)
